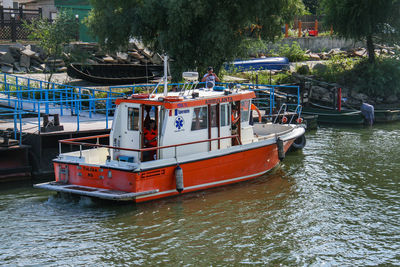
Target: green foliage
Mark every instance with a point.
(368, 20)
(294, 52)
(303, 70)
(336, 67)
(311, 5)
(52, 36)
(194, 33)
(378, 80)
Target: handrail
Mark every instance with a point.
(70, 142)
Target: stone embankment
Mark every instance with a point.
(325, 93)
(19, 58)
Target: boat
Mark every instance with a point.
(196, 147)
(269, 63)
(349, 115)
(386, 115)
(114, 73)
(331, 116)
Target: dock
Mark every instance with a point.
(36, 114)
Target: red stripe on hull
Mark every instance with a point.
(197, 175)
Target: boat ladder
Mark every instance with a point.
(283, 111)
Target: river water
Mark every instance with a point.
(336, 203)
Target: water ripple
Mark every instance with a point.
(333, 204)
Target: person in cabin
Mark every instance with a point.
(150, 139)
(235, 117)
(210, 78)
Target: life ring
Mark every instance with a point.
(173, 98)
(284, 119)
(254, 107)
(299, 143)
(140, 96)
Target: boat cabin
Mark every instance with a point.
(180, 125)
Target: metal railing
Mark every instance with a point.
(26, 96)
(31, 97)
(74, 141)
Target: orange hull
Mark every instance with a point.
(197, 175)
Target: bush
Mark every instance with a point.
(294, 52)
(335, 69)
(377, 80)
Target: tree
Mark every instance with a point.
(52, 36)
(369, 20)
(194, 33)
(312, 6)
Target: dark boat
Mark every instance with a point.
(387, 115)
(114, 73)
(334, 116)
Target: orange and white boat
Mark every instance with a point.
(197, 147)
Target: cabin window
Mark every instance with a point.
(244, 110)
(199, 120)
(214, 116)
(225, 115)
(133, 119)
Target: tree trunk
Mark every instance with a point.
(370, 49)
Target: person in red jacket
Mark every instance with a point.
(150, 139)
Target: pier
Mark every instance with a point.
(37, 114)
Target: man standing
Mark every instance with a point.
(210, 78)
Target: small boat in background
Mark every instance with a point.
(114, 73)
(353, 117)
(387, 115)
(269, 63)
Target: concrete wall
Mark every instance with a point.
(317, 44)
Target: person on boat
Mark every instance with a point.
(147, 118)
(210, 78)
(150, 139)
(235, 117)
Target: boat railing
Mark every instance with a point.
(76, 142)
(188, 87)
(297, 112)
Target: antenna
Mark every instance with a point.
(165, 75)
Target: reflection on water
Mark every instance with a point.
(334, 203)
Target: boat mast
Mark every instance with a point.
(165, 75)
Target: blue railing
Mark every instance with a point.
(26, 96)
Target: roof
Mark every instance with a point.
(206, 97)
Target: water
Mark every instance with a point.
(336, 203)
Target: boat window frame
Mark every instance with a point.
(243, 112)
(135, 126)
(204, 124)
(225, 117)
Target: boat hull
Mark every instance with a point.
(160, 181)
(334, 116)
(382, 115)
(271, 63)
(114, 73)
